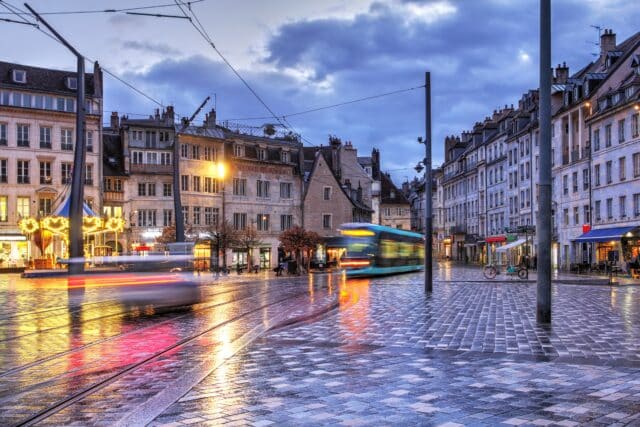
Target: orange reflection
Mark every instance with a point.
(354, 307)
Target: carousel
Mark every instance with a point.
(50, 235)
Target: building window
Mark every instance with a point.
(239, 221)
(609, 208)
(596, 140)
(597, 208)
(23, 172)
(146, 218)
(262, 222)
(636, 165)
(4, 175)
(150, 139)
(184, 182)
(89, 136)
(142, 189)
(44, 206)
(609, 171)
(238, 150)
(185, 214)
(576, 215)
(565, 184)
(285, 157)
(209, 154)
(565, 216)
(19, 76)
(636, 205)
(4, 208)
(634, 125)
(45, 172)
(586, 214)
(88, 175)
(151, 189)
(23, 135)
(195, 152)
(211, 216)
(66, 139)
(167, 217)
(239, 186)
(137, 157)
(72, 83)
(574, 182)
(262, 189)
(262, 154)
(45, 137)
(152, 158)
(621, 168)
(196, 215)
(65, 172)
(326, 221)
(326, 193)
(286, 221)
(210, 185)
(607, 135)
(585, 179)
(623, 206)
(184, 151)
(621, 130)
(285, 190)
(196, 184)
(165, 159)
(167, 188)
(23, 204)
(596, 174)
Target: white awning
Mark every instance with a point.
(511, 245)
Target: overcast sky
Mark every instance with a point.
(298, 55)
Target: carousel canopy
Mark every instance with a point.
(65, 208)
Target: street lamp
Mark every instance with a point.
(428, 190)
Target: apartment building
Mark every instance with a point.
(37, 142)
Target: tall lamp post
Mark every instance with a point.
(428, 190)
(77, 180)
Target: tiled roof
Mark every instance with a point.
(388, 189)
(43, 79)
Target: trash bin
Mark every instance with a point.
(292, 267)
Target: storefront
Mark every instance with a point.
(492, 244)
(618, 244)
(446, 243)
(265, 258)
(14, 250)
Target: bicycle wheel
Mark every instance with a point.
(523, 273)
(490, 272)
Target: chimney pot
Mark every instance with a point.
(115, 121)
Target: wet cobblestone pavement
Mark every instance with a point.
(323, 350)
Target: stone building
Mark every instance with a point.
(37, 141)
(371, 165)
(337, 189)
(395, 210)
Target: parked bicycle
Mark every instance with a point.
(491, 271)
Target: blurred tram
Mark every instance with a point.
(372, 250)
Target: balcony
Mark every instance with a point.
(458, 229)
(45, 180)
(152, 169)
(113, 196)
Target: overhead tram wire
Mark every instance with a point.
(20, 14)
(96, 11)
(203, 32)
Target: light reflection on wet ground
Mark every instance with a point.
(321, 350)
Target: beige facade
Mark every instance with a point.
(37, 139)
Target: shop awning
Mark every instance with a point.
(496, 239)
(605, 234)
(511, 245)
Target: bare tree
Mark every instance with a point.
(300, 241)
(225, 236)
(248, 240)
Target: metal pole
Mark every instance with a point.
(428, 190)
(543, 312)
(77, 178)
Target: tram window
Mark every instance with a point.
(388, 248)
(405, 249)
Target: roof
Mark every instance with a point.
(65, 208)
(43, 79)
(388, 189)
(204, 131)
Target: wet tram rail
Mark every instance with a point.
(208, 333)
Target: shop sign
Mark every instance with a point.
(512, 237)
(586, 228)
(496, 239)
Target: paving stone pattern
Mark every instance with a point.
(471, 354)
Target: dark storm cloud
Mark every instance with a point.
(481, 57)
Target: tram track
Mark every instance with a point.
(194, 308)
(61, 404)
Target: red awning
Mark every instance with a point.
(142, 248)
(496, 239)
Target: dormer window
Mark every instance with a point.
(71, 83)
(262, 154)
(238, 150)
(19, 76)
(285, 157)
(615, 99)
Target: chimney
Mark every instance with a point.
(115, 120)
(562, 73)
(169, 115)
(375, 164)
(607, 42)
(210, 119)
(157, 115)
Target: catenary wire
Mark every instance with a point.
(95, 11)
